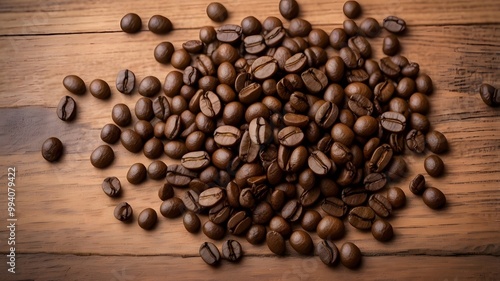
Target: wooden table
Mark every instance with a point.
(65, 228)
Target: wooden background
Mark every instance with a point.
(66, 229)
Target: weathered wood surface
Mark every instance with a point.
(66, 229)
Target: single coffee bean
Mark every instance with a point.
(389, 68)
(299, 27)
(319, 163)
(394, 24)
(397, 168)
(219, 213)
(250, 25)
(262, 213)
(314, 80)
(131, 140)
(144, 109)
(338, 39)
(180, 59)
(191, 222)
(419, 122)
(275, 243)
(396, 197)
(74, 84)
(489, 94)
(334, 207)
(131, 23)
(193, 46)
(351, 9)
(239, 223)
(353, 196)
(190, 199)
(292, 210)
(147, 218)
(415, 141)
(111, 186)
(375, 181)
(419, 103)
(424, 84)
(125, 81)
(231, 250)
(159, 24)
(310, 220)
(274, 37)
(327, 252)
(264, 67)
(393, 121)
(434, 166)
(196, 160)
(380, 205)
(229, 33)
(175, 149)
(110, 133)
(370, 27)
(259, 130)
(216, 12)
(290, 136)
(211, 197)
(163, 52)
(207, 34)
(360, 105)
(246, 199)
(166, 191)
(123, 212)
(137, 173)
(350, 27)
(361, 217)
(66, 109)
(289, 9)
(280, 225)
(172, 207)
(121, 115)
(209, 253)
(434, 198)
(436, 142)
(326, 115)
(157, 170)
(210, 104)
(100, 89)
(301, 242)
(350, 255)
(382, 230)
(256, 234)
(100, 158)
(330, 228)
(380, 158)
(391, 45)
(417, 185)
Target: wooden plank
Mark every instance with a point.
(47, 17)
(129, 268)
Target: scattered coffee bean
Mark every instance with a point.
(434, 166)
(361, 217)
(330, 228)
(209, 253)
(489, 94)
(417, 185)
(216, 12)
(136, 173)
(327, 252)
(382, 230)
(110, 133)
(231, 250)
(147, 218)
(131, 23)
(351, 9)
(276, 243)
(121, 115)
(102, 156)
(163, 52)
(123, 212)
(289, 9)
(159, 24)
(301, 242)
(191, 222)
(434, 198)
(436, 142)
(350, 255)
(172, 207)
(100, 89)
(111, 186)
(52, 149)
(394, 24)
(74, 84)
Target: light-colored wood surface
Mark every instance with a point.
(66, 229)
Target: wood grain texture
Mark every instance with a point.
(66, 229)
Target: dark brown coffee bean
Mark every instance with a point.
(375, 181)
(301, 242)
(66, 109)
(389, 68)
(380, 205)
(330, 228)
(299, 27)
(350, 27)
(360, 105)
(334, 206)
(157, 170)
(417, 185)
(153, 148)
(250, 26)
(394, 24)
(177, 175)
(292, 211)
(136, 173)
(216, 12)
(123, 212)
(195, 160)
(393, 121)
(259, 130)
(211, 197)
(256, 234)
(370, 27)
(191, 222)
(289, 9)
(147, 218)
(111, 186)
(361, 217)
(290, 136)
(275, 242)
(166, 191)
(310, 220)
(434, 166)
(180, 59)
(131, 23)
(209, 253)
(144, 109)
(264, 67)
(274, 37)
(327, 252)
(350, 255)
(391, 45)
(434, 198)
(210, 104)
(319, 163)
(172, 207)
(231, 250)
(436, 142)
(354, 196)
(246, 199)
(190, 199)
(74, 84)
(396, 197)
(250, 94)
(419, 122)
(326, 115)
(382, 230)
(229, 33)
(100, 89)
(125, 81)
(131, 140)
(163, 52)
(415, 141)
(314, 80)
(121, 115)
(110, 133)
(100, 158)
(380, 158)
(239, 223)
(159, 24)
(424, 84)
(489, 94)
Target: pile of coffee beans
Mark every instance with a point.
(273, 127)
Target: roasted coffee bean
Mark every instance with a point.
(100, 158)
(380, 158)
(419, 103)
(318, 37)
(210, 104)
(290, 136)
(295, 64)
(310, 220)
(370, 27)
(338, 38)
(360, 105)
(209, 253)
(111, 186)
(277, 199)
(393, 121)
(100, 89)
(136, 173)
(180, 59)
(434, 166)
(340, 153)
(424, 84)
(436, 142)
(227, 135)
(380, 205)
(195, 160)
(360, 45)
(382, 230)
(125, 81)
(256, 234)
(301, 242)
(216, 12)
(314, 80)
(330, 228)
(419, 122)
(250, 26)
(131, 23)
(289, 9)
(350, 27)
(396, 197)
(259, 130)
(361, 217)
(274, 37)
(250, 94)
(350, 255)
(172, 207)
(121, 115)
(326, 115)
(66, 109)
(256, 110)
(239, 223)
(144, 109)
(489, 94)
(177, 175)
(389, 68)
(229, 33)
(351, 9)
(191, 222)
(394, 24)
(246, 199)
(219, 213)
(391, 45)
(207, 34)
(292, 210)
(190, 199)
(74, 84)
(211, 197)
(190, 76)
(334, 206)
(123, 212)
(397, 168)
(149, 86)
(319, 163)
(231, 250)
(157, 170)
(175, 149)
(348, 175)
(415, 141)
(275, 243)
(159, 24)
(280, 225)
(193, 46)
(327, 252)
(299, 27)
(166, 191)
(147, 218)
(417, 185)
(131, 140)
(434, 198)
(375, 181)
(354, 196)
(163, 52)
(264, 67)
(110, 133)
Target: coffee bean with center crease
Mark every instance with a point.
(394, 24)
(393, 121)
(220, 213)
(195, 160)
(210, 104)
(326, 115)
(74, 84)
(102, 156)
(354, 196)
(334, 206)
(177, 175)
(227, 135)
(190, 199)
(314, 80)
(260, 131)
(125, 81)
(490, 95)
(66, 109)
(147, 218)
(264, 67)
(131, 23)
(415, 141)
(296, 63)
(276, 242)
(361, 217)
(111, 186)
(290, 136)
(375, 181)
(360, 105)
(417, 185)
(123, 212)
(231, 250)
(229, 33)
(211, 197)
(100, 89)
(190, 76)
(319, 163)
(292, 211)
(274, 37)
(209, 253)
(239, 223)
(380, 158)
(380, 205)
(110, 133)
(249, 93)
(327, 252)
